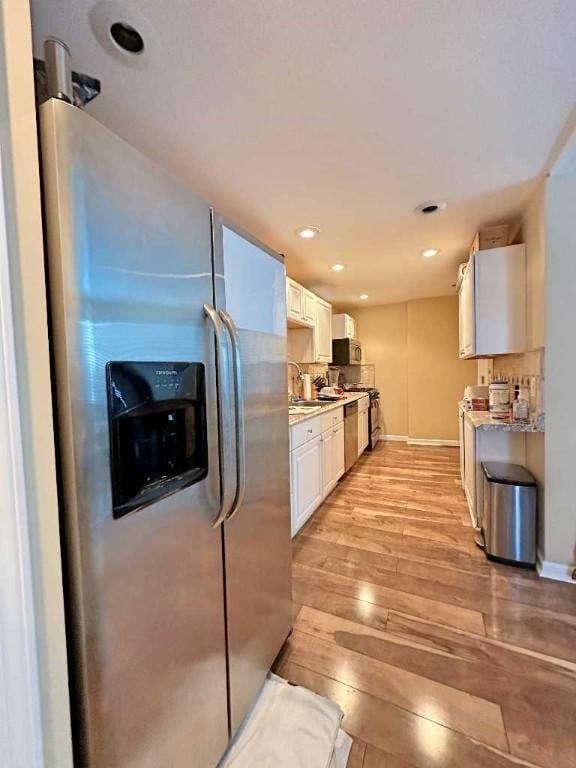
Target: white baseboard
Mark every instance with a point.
(557, 571)
(418, 441)
(423, 441)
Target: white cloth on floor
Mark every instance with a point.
(289, 727)
(341, 750)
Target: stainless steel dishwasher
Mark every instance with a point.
(350, 434)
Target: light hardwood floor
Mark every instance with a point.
(438, 658)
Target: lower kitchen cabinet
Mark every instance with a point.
(316, 463)
(470, 469)
(363, 432)
(461, 440)
(332, 457)
(306, 466)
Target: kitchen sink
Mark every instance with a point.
(295, 410)
(313, 403)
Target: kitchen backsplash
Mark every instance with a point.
(514, 366)
(361, 374)
(529, 368)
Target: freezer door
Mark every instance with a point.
(250, 286)
(130, 268)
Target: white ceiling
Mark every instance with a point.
(341, 114)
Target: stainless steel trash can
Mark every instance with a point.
(509, 513)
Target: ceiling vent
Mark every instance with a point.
(431, 206)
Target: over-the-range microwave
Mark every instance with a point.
(346, 352)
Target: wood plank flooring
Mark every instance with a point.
(439, 658)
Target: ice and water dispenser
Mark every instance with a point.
(158, 434)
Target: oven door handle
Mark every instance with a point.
(239, 411)
(225, 417)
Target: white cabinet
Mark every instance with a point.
(461, 436)
(309, 306)
(338, 448)
(309, 325)
(294, 300)
(492, 303)
(307, 481)
(300, 305)
(470, 466)
(316, 462)
(343, 327)
(363, 434)
(323, 334)
(332, 457)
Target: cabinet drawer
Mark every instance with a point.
(304, 431)
(363, 404)
(332, 418)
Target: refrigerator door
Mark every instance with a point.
(250, 287)
(130, 268)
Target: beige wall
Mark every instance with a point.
(420, 377)
(26, 256)
(532, 232)
(384, 335)
(436, 375)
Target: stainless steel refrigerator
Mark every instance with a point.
(169, 342)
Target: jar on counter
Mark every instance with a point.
(499, 399)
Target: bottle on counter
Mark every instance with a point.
(499, 399)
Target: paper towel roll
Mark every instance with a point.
(307, 386)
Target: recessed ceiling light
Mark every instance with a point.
(307, 232)
(429, 252)
(363, 296)
(338, 267)
(431, 206)
(126, 37)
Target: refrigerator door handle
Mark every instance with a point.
(225, 418)
(239, 395)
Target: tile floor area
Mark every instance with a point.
(438, 658)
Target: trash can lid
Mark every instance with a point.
(509, 474)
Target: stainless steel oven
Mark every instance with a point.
(374, 427)
(346, 352)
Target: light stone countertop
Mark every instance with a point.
(350, 397)
(483, 420)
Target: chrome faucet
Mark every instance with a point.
(300, 374)
(291, 396)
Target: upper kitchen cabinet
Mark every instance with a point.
(309, 325)
(309, 307)
(492, 303)
(294, 300)
(300, 304)
(323, 335)
(343, 327)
